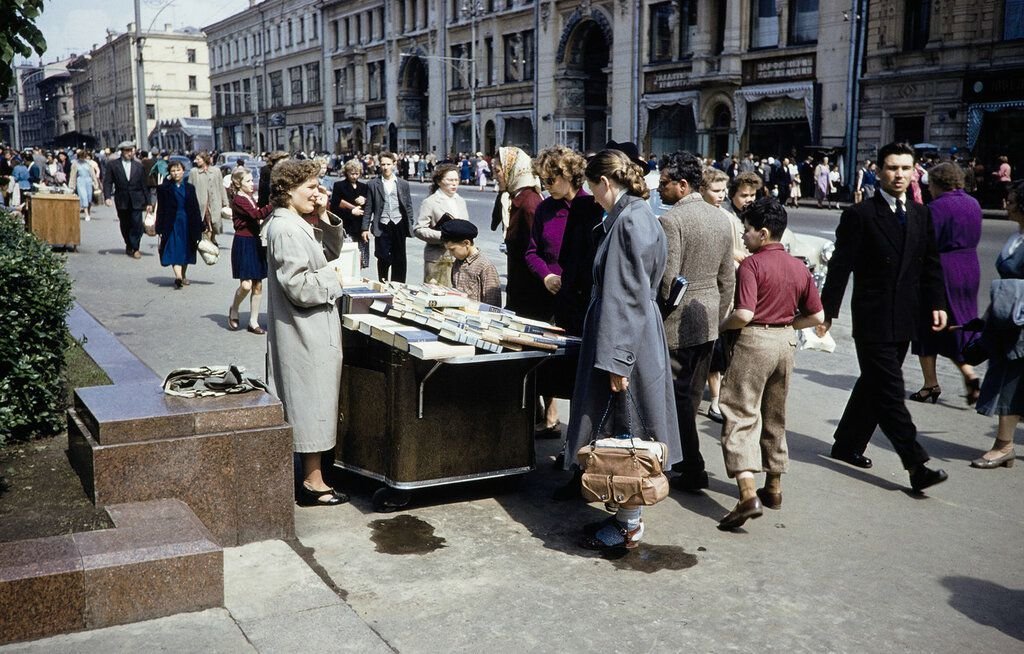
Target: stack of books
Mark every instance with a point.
(436, 322)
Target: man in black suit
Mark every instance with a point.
(888, 244)
(124, 187)
(388, 215)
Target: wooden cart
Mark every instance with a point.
(54, 218)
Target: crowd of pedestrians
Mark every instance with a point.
(585, 250)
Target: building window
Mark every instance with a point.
(339, 86)
(236, 90)
(295, 77)
(661, 31)
(687, 27)
(1013, 20)
(192, 83)
(150, 112)
(190, 55)
(764, 24)
(519, 56)
(259, 93)
(459, 66)
(246, 95)
(370, 32)
(278, 28)
(276, 89)
(236, 50)
(218, 103)
(916, 24)
(302, 29)
(193, 111)
(489, 59)
(315, 32)
(245, 48)
(803, 22)
(289, 35)
(313, 82)
(337, 34)
(375, 75)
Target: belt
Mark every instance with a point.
(761, 325)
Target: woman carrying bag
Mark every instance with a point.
(624, 345)
(178, 222)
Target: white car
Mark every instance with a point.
(231, 158)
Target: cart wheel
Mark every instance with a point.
(387, 499)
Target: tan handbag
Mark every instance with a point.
(623, 470)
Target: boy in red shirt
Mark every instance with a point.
(775, 295)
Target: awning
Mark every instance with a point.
(802, 91)
(657, 100)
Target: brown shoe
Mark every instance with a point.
(769, 500)
(745, 510)
(136, 255)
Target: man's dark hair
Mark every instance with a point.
(766, 213)
(682, 165)
(894, 148)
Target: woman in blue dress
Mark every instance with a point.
(83, 180)
(178, 222)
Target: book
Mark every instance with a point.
(431, 350)
(677, 290)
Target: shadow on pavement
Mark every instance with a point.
(841, 382)
(988, 604)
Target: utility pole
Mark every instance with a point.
(142, 136)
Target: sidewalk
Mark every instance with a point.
(852, 563)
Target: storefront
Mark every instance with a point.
(995, 113)
(669, 112)
(515, 128)
(774, 117)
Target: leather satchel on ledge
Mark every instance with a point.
(623, 470)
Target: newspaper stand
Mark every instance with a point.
(413, 423)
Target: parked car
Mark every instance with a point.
(231, 158)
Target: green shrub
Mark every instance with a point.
(35, 297)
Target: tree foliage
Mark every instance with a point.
(18, 36)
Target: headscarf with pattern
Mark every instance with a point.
(517, 167)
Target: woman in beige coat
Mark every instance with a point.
(444, 198)
(304, 335)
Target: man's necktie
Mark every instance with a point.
(901, 213)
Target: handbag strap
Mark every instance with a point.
(629, 419)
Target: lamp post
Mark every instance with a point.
(475, 9)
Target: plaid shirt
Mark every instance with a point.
(478, 278)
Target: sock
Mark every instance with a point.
(747, 487)
(773, 482)
(629, 516)
(254, 309)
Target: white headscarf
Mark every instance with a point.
(517, 167)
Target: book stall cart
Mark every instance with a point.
(437, 389)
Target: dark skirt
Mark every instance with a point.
(248, 259)
(175, 248)
(1002, 392)
(945, 343)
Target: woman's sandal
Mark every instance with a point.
(973, 390)
(329, 497)
(927, 393)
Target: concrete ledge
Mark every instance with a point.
(158, 560)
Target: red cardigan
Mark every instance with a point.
(246, 216)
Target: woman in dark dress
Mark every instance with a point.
(248, 259)
(524, 293)
(956, 217)
(348, 199)
(178, 222)
(1002, 392)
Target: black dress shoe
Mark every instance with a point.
(858, 460)
(746, 510)
(690, 481)
(329, 497)
(922, 477)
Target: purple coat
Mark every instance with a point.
(546, 237)
(957, 220)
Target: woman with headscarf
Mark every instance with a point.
(524, 293)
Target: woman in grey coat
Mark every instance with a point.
(623, 334)
(304, 335)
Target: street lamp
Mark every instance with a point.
(475, 9)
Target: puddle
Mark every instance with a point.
(652, 558)
(404, 534)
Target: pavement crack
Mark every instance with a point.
(308, 555)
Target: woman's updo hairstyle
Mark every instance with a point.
(288, 175)
(620, 169)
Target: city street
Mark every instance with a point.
(853, 562)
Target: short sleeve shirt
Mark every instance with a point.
(775, 286)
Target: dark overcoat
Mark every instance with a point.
(167, 211)
(623, 332)
(897, 278)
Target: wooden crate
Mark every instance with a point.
(54, 218)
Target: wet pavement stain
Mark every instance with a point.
(652, 558)
(405, 534)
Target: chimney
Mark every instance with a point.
(168, 27)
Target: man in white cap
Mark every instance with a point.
(124, 187)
